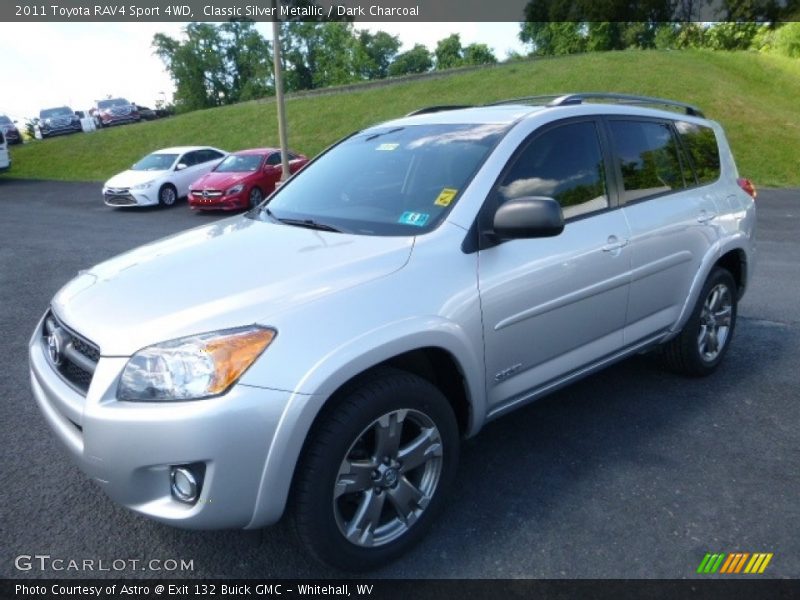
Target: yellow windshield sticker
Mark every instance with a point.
(387, 146)
(445, 197)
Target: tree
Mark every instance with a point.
(553, 39)
(247, 60)
(731, 36)
(449, 52)
(416, 60)
(478, 54)
(215, 65)
(320, 54)
(376, 53)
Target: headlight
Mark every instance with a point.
(142, 186)
(235, 189)
(193, 367)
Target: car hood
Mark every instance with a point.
(231, 273)
(130, 178)
(219, 181)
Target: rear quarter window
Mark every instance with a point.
(648, 157)
(701, 146)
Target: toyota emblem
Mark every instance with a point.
(55, 342)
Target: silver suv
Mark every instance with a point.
(416, 280)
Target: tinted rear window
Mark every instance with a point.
(701, 145)
(648, 158)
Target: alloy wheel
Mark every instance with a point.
(387, 478)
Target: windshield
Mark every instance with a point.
(155, 162)
(4, 120)
(48, 113)
(240, 164)
(395, 181)
(114, 102)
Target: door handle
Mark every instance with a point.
(706, 217)
(614, 243)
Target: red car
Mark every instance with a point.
(242, 180)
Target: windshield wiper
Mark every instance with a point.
(377, 135)
(307, 223)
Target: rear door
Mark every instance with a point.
(553, 305)
(670, 217)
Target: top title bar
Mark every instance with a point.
(396, 10)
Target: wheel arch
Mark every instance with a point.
(732, 254)
(437, 363)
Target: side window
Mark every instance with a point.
(648, 158)
(208, 155)
(274, 158)
(701, 144)
(2, 140)
(189, 159)
(564, 163)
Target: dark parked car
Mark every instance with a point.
(55, 121)
(9, 130)
(146, 113)
(114, 111)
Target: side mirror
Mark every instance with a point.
(181, 166)
(530, 217)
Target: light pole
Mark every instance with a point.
(276, 57)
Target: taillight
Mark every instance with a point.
(747, 186)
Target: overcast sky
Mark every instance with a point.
(52, 64)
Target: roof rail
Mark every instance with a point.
(433, 109)
(570, 99)
(580, 98)
(528, 100)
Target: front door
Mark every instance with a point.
(553, 305)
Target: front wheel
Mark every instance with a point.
(167, 195)
(700, 346)
(255, 197)
(376, 471)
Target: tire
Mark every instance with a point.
(331, 512)
(256, 196)
(167, 195)
(702, 343)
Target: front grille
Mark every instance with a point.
(206, 194)
(119, 198)
(72, 356)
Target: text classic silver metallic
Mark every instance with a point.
(416, 280)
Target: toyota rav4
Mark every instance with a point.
(416, 280)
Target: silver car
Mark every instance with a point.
(413, 282)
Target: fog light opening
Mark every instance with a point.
(185, 483)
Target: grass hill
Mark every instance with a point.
(754, 96)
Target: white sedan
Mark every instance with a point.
(161, 177)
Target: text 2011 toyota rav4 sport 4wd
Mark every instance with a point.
(416, 280)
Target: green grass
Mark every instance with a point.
(754, 96)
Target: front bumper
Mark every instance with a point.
(130, 197)
(232, 202)
(128, 447)
(61, 130)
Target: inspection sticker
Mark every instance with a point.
(414, 218)
(445, 197)
(387, 146)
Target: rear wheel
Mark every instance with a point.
(376, 471)
(702, 343)
(167, 195)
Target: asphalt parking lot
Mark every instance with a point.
(632, 473)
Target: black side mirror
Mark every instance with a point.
(529, 217)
